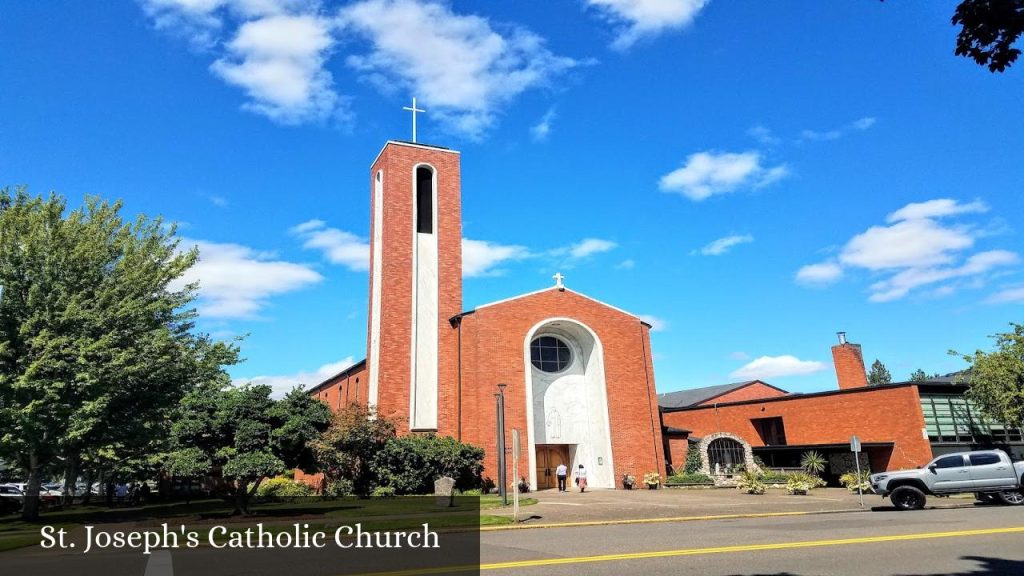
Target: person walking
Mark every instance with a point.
(581, 478)
(561, 471)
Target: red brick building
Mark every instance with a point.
(580, 383)
(900, 425)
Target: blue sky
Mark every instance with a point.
(749, 176)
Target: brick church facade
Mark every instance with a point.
(580, 382)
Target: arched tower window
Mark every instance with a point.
(424, 200)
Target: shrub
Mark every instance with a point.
(346, 450)
(411, 464)
(338, 488)
(751, 483)
(472, 492)
(810, 480)
(796, 485)
(813, 462)
(282, 487)
(383, 492)
(652, 479)
(774, 477)
(852, 481)
(690, 478)
(693, 460)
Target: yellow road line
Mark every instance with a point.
(701, 551)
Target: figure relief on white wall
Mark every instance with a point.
(553, 426)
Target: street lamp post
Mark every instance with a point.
(502, 481)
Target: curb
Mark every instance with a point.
(505, 527)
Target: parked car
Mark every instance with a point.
(989, 474)
(48, 495)
(11, 499)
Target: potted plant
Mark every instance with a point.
(628, 481)
(652, 480)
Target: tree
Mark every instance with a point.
(245, 434)
(997, 378)
(879, 374)
(346, 451)
(411, 464)
(988, 31)
(918, 376)
(96, 343)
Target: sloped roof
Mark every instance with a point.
(695, 396)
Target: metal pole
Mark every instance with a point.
(860, 492)
(502, 481)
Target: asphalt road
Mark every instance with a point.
(974, 541)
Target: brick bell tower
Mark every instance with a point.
(415, 285)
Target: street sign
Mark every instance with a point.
(854, 444)
(855, 448)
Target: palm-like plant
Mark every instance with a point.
(813, 462)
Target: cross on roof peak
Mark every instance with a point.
(559, 277)
(414, 110)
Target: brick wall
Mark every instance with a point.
(849, 363)
(886, 414)
(397, 161)
(493, 340)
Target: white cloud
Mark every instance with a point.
(915, 250)
(908, 243)
(775, 366)
(482, 258)
(819, 274)
(627, 264)
(723, 245)
(636, 19)
(459, 67)
(542, 129)
(236, 281)
(864, 123)
(859, 125)
(657, 324)
(936, 209)
(589, 247)
(739, 355)
(279, 61)
(275, 50)
(764, 135)
(706, 174)
(283, 384)
(219, 201)
(1009, 295)
(900, 284)
(338, 246)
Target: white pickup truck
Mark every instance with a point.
(989, 474)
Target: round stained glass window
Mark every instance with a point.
(550, 354)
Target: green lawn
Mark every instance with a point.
(373, 514)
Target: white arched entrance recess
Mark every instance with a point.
(568, 408)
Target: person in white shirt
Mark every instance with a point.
(581, 478)
(561, 472)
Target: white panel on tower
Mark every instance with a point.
(423, 386)
(377, 258)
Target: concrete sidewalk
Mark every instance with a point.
(612, 506)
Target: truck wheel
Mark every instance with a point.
(1011, 497)
(907, 498)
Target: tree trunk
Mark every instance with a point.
(70, 478)
(30, 507)
(87, 497)
(241, 498)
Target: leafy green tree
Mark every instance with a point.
(988, 31)
(997, 377)
(693, 462)
(246, 435)
(96, 343)
(346, 451)
(879, 374)
(410, 464)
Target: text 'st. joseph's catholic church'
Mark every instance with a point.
(579, 374)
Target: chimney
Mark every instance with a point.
(849, 364)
